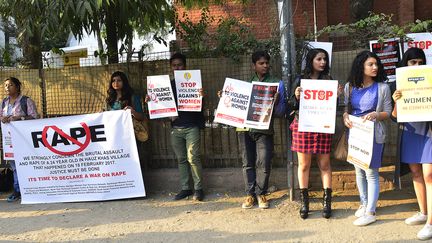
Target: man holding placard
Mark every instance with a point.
(185, 132)
(256, 145)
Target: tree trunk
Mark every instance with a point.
(32, 51)
(112, 37)
(101, 50)
(129, 48)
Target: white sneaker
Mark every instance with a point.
(425, 233)
(365, 220)
(417, 218)
(360, 211)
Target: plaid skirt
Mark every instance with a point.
(310, 142)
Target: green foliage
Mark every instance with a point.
(205, 3)
(50, 42)
(233, 37)
(196, 34)
(33, 19)
(7, 54)
(375, 26)
(119, 18)
(420, 26)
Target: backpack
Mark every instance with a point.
(23, 103)
(6, 179)
(281, 109)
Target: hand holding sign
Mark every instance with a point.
(189, 90)
(317, 109)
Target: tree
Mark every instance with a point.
(119, 18)
(205, 3)
(33, 20)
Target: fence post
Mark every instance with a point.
(42, 85)
(288, 69)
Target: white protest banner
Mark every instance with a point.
(89, 157)
(415, 83)
(422, 41)
(360, 142)
(233, 105)
(188, 85)
(7, 142)
(261, 105)
(317, 111)
(162, 103)
(389, 53)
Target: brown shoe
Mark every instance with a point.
(249, 202)
(262, 202)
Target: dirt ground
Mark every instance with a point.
(218, 219)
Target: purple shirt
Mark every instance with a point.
(15, 108)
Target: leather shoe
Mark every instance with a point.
(183, 194)
(199, 195)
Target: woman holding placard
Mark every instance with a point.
(366, 96)
(120, 96)
(415, 152)
(308, 143)
(16, 107)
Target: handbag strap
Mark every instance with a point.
(348, 107)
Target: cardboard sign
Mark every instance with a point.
(317, 111)
(415, 83)
(360, 142)
(188, 85)
(389, 53)
(162, 103)
(246, 105)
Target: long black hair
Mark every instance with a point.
(127, 91)
(412, 53)
(312, 53)
(357, 69)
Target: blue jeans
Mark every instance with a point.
(368, 187)
(15, 176)
(257, 152)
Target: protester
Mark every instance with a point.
(185, 141)
(121, 96)
(16, 107)
(415, 152)
(308, 143)
(256, 145)
(369, 98)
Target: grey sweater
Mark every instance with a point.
(384, 104)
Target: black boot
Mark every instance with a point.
(304, 200)
(326, 213)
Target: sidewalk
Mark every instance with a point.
(218, 219)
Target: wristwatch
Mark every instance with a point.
(22, 118)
